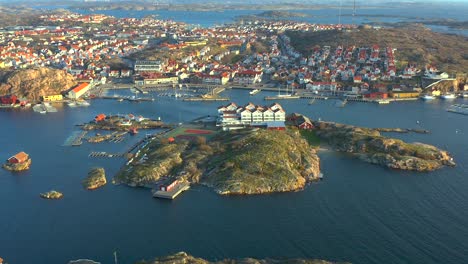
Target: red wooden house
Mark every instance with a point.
(18, 158)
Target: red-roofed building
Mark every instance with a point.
(79, 90)
(18, 158)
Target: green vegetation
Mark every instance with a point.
(311, 137)
(237, 162)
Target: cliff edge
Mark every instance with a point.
(34, 83)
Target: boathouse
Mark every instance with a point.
(99, 118)
(18, 158)
(8, 99)
(79, 90)
(169, 185)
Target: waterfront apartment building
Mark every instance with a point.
(232, 115)
(148, 66)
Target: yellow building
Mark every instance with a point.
(405, 94)
(51, 98)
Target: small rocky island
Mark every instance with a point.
(249, 161)
(53, 195)
(369, 145)
(122, 123)
(183, 257)
(96, 179)
(18, 162)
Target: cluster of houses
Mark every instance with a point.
(233, 116)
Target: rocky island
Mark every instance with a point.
(369, 145)
(183, 257)
(122, 123)
(18, 166)
(18, 162)
(96, 179)
(53, 195)
(236, 162)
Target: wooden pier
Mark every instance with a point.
(128, 98)
(172, 194)
(76, 139)
(198, 99)
(282, 97)
(103, 154)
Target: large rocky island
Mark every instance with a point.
(370, 146)
(241, 162)
(183, 257)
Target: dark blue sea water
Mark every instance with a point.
(360, 212)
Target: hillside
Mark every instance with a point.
(34, 83)
(238, 162)
(184, 258)
(414, 43)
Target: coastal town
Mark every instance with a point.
(103, 51)
(141, 124)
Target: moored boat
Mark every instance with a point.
(427, 97)
(448, 96)
(254, 92)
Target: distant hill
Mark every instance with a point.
(414, 43)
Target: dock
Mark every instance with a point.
(76, 139)
(103, 154)
(282, 97)
(128, 98)
(173, 193)
(198, 99)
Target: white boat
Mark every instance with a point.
(448, 96)
(427, 97)
(83, 103)
(71, 104)
(464, 95)
(254, 92)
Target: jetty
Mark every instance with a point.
(282, 97)
(76, 138)
(103, 154)
(197, 99)
(127, 98)
(172, 193)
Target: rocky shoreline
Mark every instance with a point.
(52, 195)
(185, 258)
(17, 167)
(238, 162)
(96, 178)
(370, 146)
